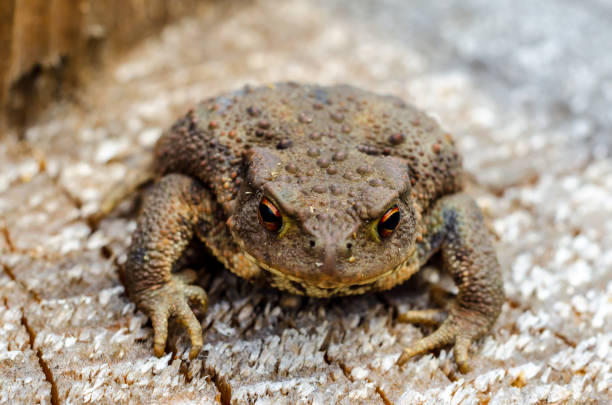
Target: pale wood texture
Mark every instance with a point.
(68, 334)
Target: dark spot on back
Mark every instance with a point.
(397, 138)
(284, 144)
(369, 150)
(253, 111)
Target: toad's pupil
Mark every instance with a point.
(269, 216)
(392, 221)
(389, 222)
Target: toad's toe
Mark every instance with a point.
(172, 300)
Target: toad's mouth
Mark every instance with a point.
(317, 280)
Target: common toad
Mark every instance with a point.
(320, 191)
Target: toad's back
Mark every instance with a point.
(325, 123)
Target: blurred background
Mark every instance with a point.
(87, 87)
(549, 55)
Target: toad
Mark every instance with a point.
(319, 191)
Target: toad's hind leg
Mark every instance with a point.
(455, 227)
(172, 208)
(121, 191)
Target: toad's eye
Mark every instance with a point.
(388, 222)
(269, 216)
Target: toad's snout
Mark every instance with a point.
(334, 254)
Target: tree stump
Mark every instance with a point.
(539, 168)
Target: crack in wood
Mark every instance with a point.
(8, 239)
(41, 361)
(223, 387)
(564, 339)
(24, 322)
(9, 271)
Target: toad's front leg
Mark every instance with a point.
(171, 210)
(455, 227)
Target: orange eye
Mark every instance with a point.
(269, 216)
(388, 222)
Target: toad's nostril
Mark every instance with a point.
(349, 246)
(312, 243)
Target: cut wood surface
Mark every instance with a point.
(48, 45)
(521, 87)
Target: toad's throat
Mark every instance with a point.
(325, 284)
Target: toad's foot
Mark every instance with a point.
(172, 300)
(460, 328)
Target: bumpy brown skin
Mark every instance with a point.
(333, 160)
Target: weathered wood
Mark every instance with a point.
(68, 334)
(47, 45)
(7, 10)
